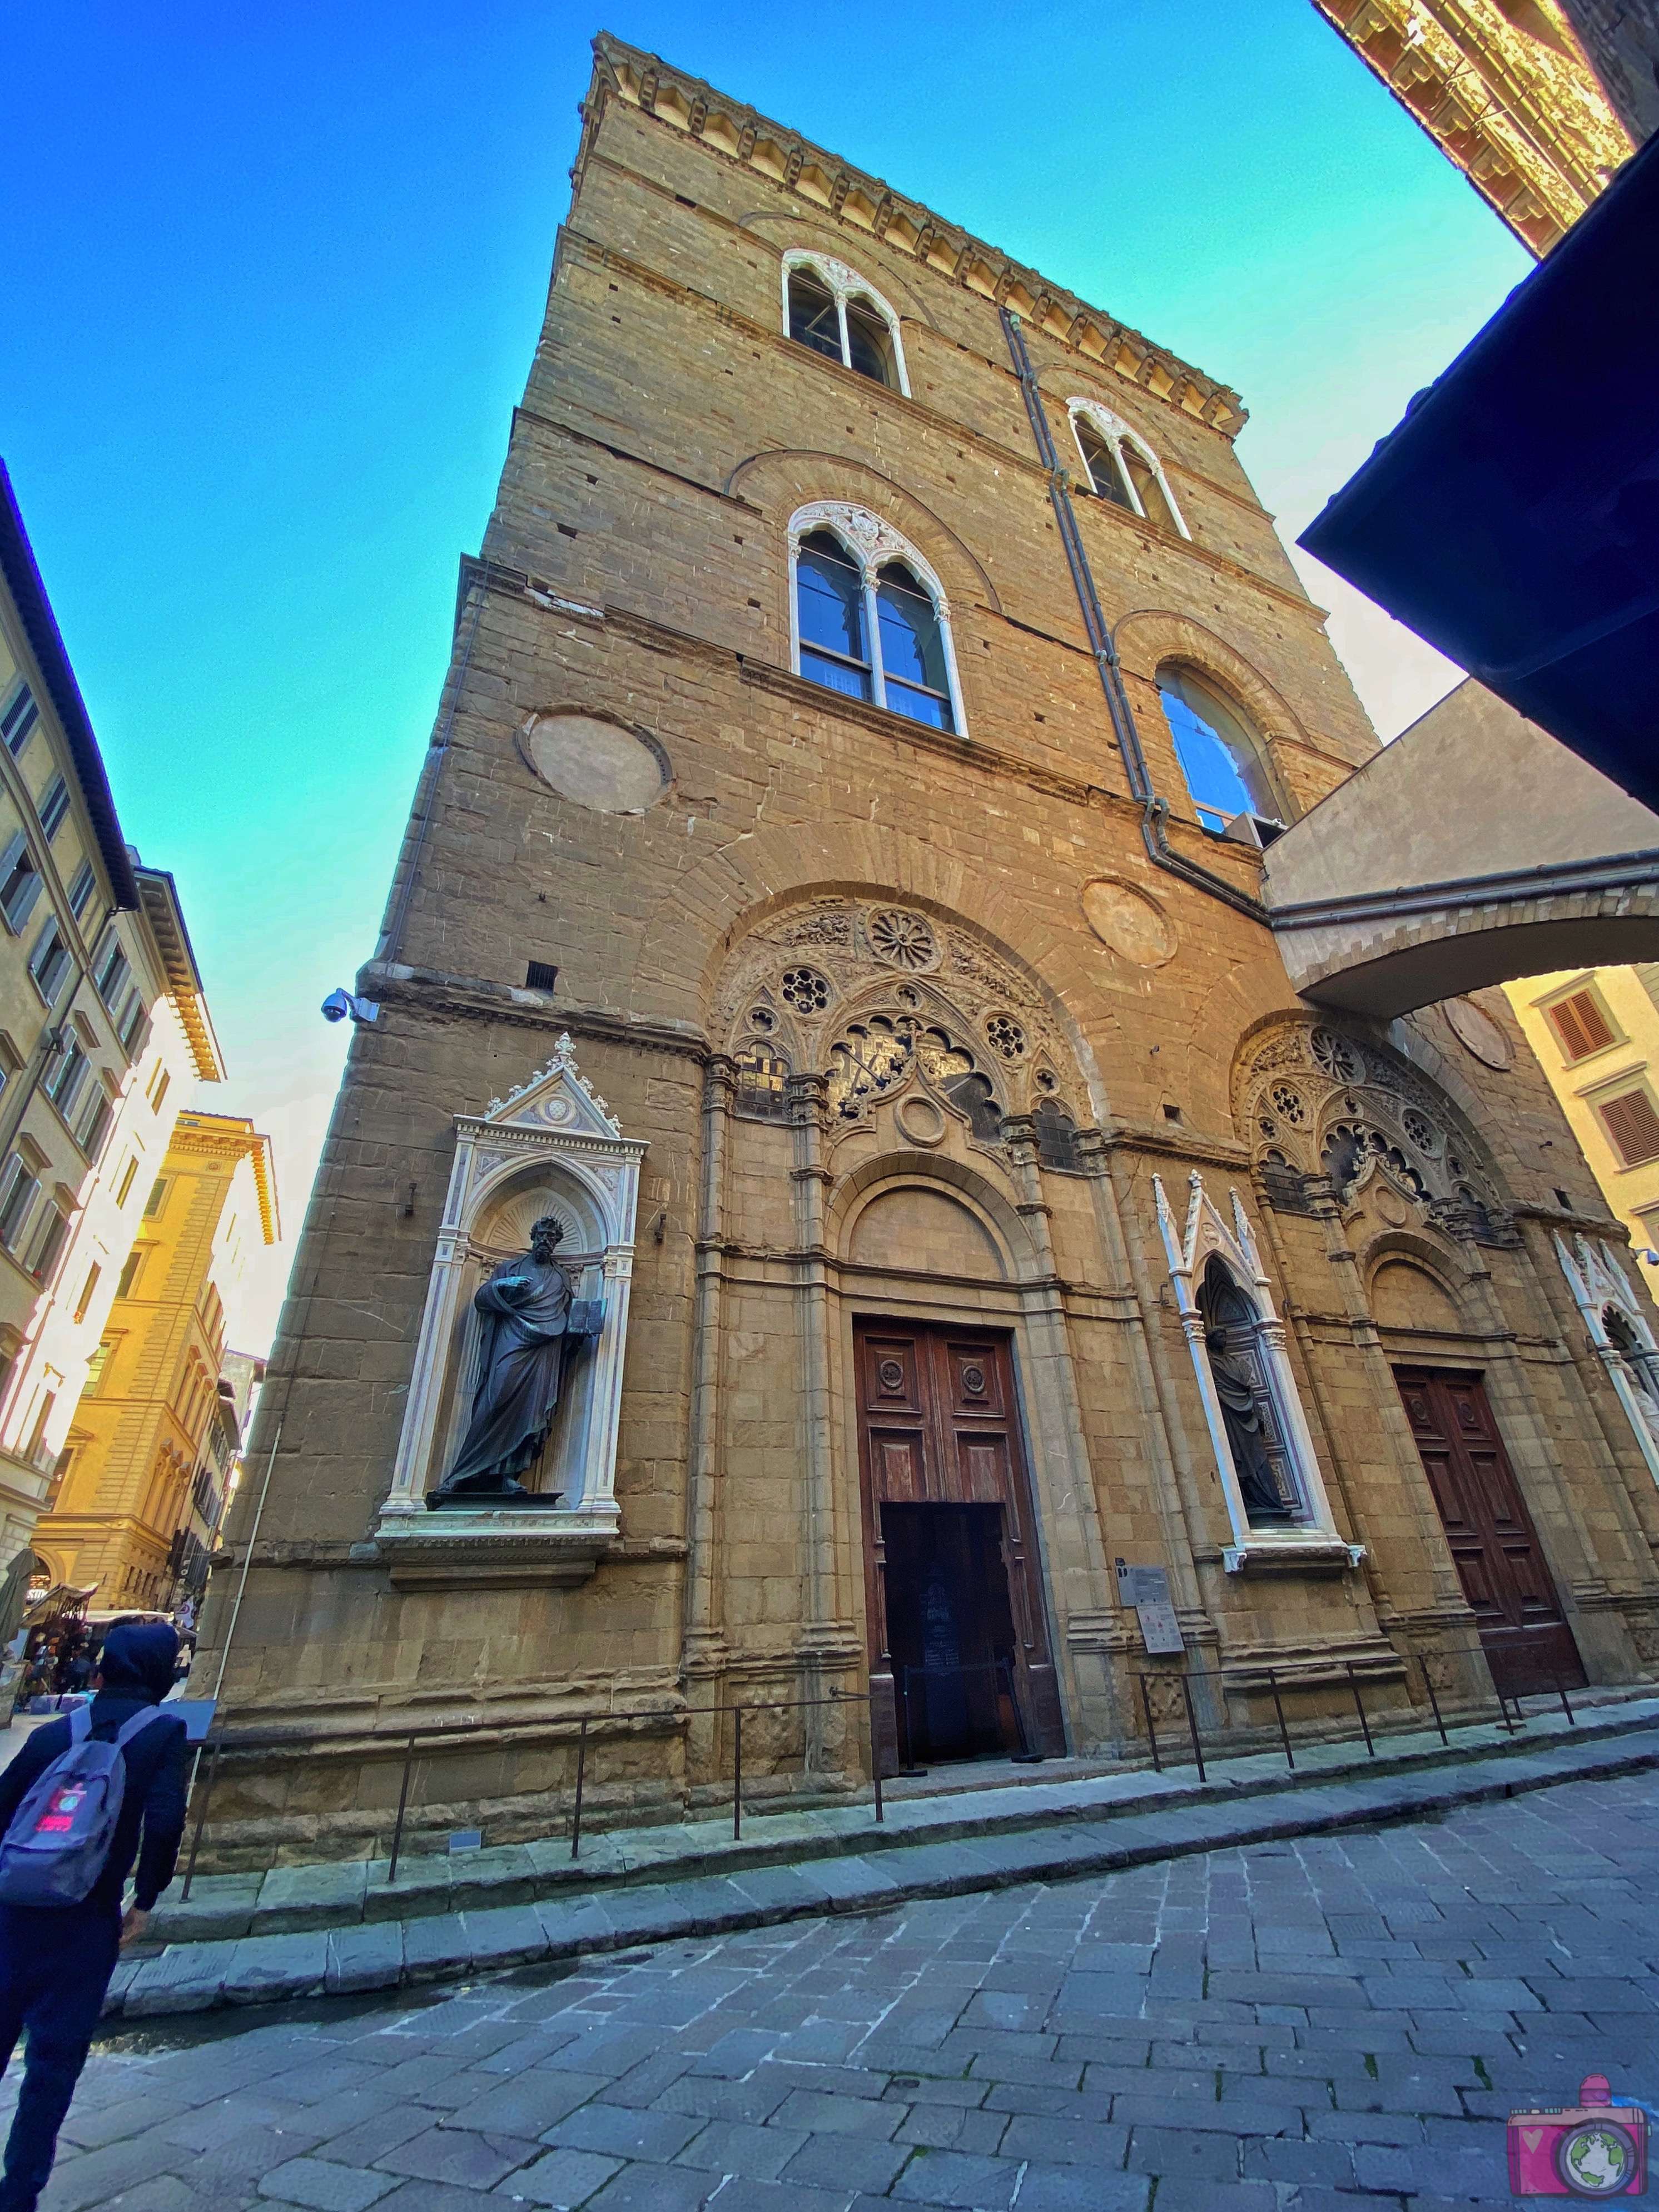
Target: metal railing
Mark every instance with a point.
(451, 1738)
(1277, 1683)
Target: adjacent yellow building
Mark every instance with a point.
(103, 1030)
(1596, 1031)
(146, 1434)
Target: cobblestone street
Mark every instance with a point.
(1338, 2023)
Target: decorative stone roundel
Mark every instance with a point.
(805, 990)
(1477, 1032)
(891, 1376)
(1005, 1035)
(920, 1120)
(973, 1382)
(903, 940)
(1128, 923)
(596, 763)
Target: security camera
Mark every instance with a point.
(340, 1005)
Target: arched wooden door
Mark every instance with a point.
(1505, 1577)
(959, 1656)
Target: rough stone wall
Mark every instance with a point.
(636, 569)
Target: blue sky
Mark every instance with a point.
(274, 278)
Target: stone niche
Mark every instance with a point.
(550, 1147)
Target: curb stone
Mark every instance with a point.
(199, 1977)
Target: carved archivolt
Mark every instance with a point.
(1312, 1101)
(882, 999)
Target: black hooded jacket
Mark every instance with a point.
(137, 1667)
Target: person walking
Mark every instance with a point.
(56, 1960)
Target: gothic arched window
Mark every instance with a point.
(1056, 1137)
(763, 1081)
(871, 621)
(1123, 468)
(1221, 756)
(831, 308)
(829, 608)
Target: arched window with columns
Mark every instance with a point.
(837, 313)
(870, 616)
(1123, 468)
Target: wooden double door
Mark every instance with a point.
(1525, 1636)
(959, 1655)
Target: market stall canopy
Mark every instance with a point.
(1512, 518)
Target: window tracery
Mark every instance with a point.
(1620, 1335)
(1122, 467)
(1318, 1105)
(869, 617)
(839, 314)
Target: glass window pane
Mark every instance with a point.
(911, 646)
(1153, 505)
(919, 706)
(1217, 751)
(834, 675)
(870, 343)
(812, 317)
(830, 597)
(1102, 469)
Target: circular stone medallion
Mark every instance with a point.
(1477, 1032)
(920, 1120)
(1128, 923)
(596, 763)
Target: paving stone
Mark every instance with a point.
(563, 2180)
(945, 2176)
(323, 2187)
(462, 2156)
(621, 2132)
(298, 1898)
(657, 2189)
(731, 2146)
(1076, 2189)
(186, 1977)
(815, 2111)
(436, 1946)
(264, 1967)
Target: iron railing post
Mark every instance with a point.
(736, 1774)
(1152, 1730)
(1192, 1726)
(1284, 1733)
(1359, 1707)
(582, 1776)
(1434, 1702)
(201, 1819)
(402, 1800)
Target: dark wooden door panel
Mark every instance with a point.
(1528, 1642)
(939, 1429)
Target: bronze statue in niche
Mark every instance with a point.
(529, 1320)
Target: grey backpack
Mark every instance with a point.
(60, 1836)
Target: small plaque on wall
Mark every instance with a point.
(1147, 1589)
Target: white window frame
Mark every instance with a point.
(845, 284)
(1597, 1282)
(869, 543)
(1314, 1539)
(1118, 434)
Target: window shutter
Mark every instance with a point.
(1581, 1024)
(1633, 1126)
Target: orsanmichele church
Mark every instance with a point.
(839, 1174)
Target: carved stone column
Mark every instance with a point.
(819, 1638)
(704, 1646)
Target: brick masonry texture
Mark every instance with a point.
(636, 569)
(1348, 2018)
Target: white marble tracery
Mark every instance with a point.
(1602, 1291)
(869, 542)
(550, 1146)
(845, 284)
(1208, 1234)
(1117, 434)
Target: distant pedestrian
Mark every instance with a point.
(56, 1960)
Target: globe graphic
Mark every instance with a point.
(1596, 2159)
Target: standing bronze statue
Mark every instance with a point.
(527, 1319)
(1247, 1432)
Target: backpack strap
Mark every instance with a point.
(80, 1724)
(129, 1729)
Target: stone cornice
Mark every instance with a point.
(431, 992)
(838, 194)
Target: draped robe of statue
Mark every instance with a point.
(1247, 1433)
(525, 1310)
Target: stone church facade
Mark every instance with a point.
(831, 895)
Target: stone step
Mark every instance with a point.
(466, 1917)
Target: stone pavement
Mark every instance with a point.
(304, 1931)
(1327, 2025)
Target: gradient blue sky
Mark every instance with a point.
(273, 280)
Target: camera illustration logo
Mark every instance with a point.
(1596, 2148)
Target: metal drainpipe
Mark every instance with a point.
(1154, 810)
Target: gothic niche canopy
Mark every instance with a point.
(1264, 1455)
(1619, 1333)
(550, 1150)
